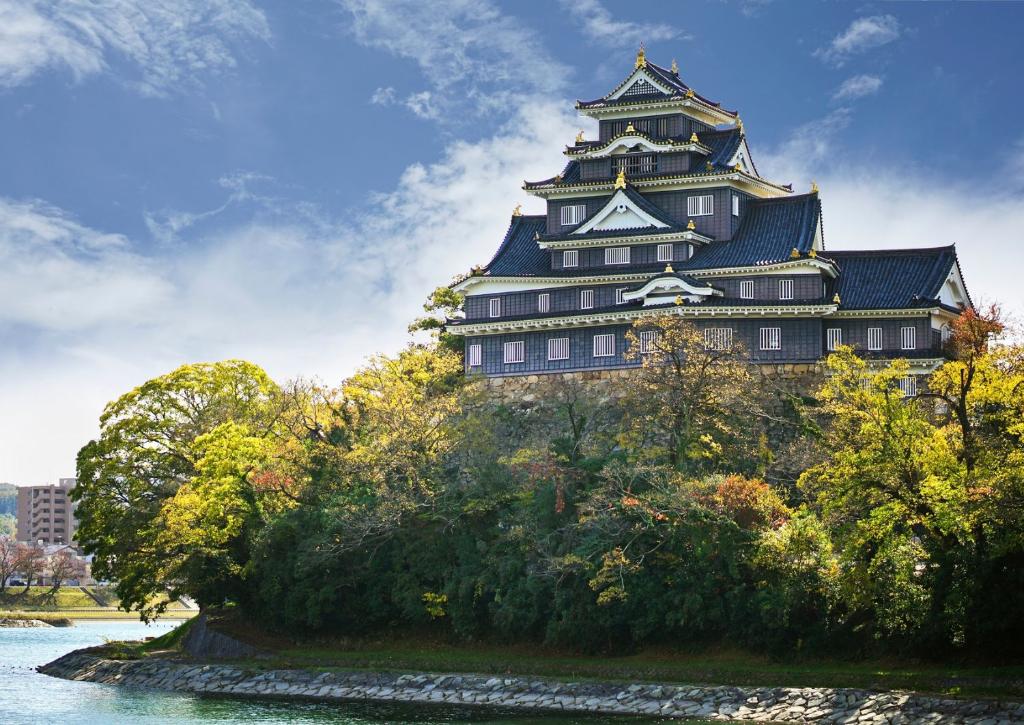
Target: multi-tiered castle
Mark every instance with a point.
(666, 213)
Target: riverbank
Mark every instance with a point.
(776, 704)
(74, 602)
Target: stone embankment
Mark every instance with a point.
(21, 623)
(761, 704)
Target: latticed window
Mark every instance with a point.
(908, 385)
(718, 338)
(703, 205)
(747, 289)
(573, 214)
(785, 289)
(604, 345)
(618, 295)
(908, 338)
(874, 338)
(570, 258)
(648, 340)
(835, 337)
(664, 252)
(515, 352)
(475, 355)
(771, 338)
(544, 302)
(637, 165)
(640, 88)
(616, 255)
(558, 348)
(495, 307)
(586, 299)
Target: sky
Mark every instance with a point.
(286, 181)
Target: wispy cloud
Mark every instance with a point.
(856, 87)
(863, 34)
(599, 25)
(154, 46)
(473, 57)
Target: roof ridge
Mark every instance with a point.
(898, 250)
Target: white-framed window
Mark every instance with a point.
(747, 289)
(908, 338)
(558, 348)
(785, 289)
(834, 337)
(945, 334)
(771, 338)
(908, 385)
(475, 355)
(664, 252)
(618, 295)
(573, 214)
(718, 338)
(874, 338)
(616, 255)
(703, 205)
(648, 339)
(495, 307)
(735, 204)
(544, 302)
(570, 258)
(586, 299)
(515, 352)
(604, 345)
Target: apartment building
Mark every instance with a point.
(46, 513)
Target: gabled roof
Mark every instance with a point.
(664, 77)
(892, 278)
(656, 213)
(519, 254)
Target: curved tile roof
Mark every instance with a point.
(892, 278)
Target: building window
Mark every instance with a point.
(735, 204)
(785, 289)
(586, 299)
(664, 252)
(475, 356)
(495, 307)
(771, 338)
(544, 302)
(515, 352)
(636, 165)
(908, 338)
(604, 345)
(570, 258)
(747, 289)
(573, 214)
(616, 255)
(835, 337)
(703, 205)
(618, 295)
(874, 338)
(558, 348)
(718, 338)
(908, 385)
(648, 339)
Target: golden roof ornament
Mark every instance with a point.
(736, 167)
(668, 268)
(739, 124)
(641, 57)
(629, 128)
(679, 299)
(691, 226)
(690, 93)
(708, 166)
(814, 187)
(795, 254)
(518, 211)
(579, 136)
(835, 298)
(693, 138)
(675, 67)
(813, 253)
(620, 180)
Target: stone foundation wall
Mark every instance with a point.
(729, 704)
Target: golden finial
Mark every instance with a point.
(693, 138)
(708, 166)
(814, 187)
(736, 167)
(641, 57)
(739, 124)
(813, 253)
(518, 211)
(795, 254)
(579, 136)
(689, 93)
(668, 268)
(835, 298)
(675, 67)
(629, 128)
(620, 180)
(691, 226)
(558, 178)
(679, 299)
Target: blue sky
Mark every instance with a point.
(286, 181)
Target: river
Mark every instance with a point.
(28, 698)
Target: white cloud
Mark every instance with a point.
(856, 87)
(863, 34)
(167, 44)
(383, 96)
(471, 55)
(599, 25)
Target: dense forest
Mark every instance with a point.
(707, 503)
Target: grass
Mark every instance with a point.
(78, 603)
(51, 619)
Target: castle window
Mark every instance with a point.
(573, 214)
(616, 255)
(475, 355)
(515, 352)
(785, 289)
(604, 345)
(703, 205)
(558, 348)
(735, 204)
(874, 338)
(908, 338)
(544, 302)
(664, 252)
(718, 338)
(835, 337)
(586, 299)
(648, 339)
(908, 385)
(570, 258)
(495, 307)
(636, 165)
(618, 295)
(771, 338)
(747, 289)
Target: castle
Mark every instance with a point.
(666, 213)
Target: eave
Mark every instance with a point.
(898, 312)
(659, 145)
(693, 107)
(824, 265)
(665, 183)
(650, 237)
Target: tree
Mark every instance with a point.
(8, 559)
(63, 565)
(31, 563)
(150, 444)
(8, 525)
(442, 305)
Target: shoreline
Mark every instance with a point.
(726, 704)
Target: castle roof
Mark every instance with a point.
(893, 278)
(667, 79)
